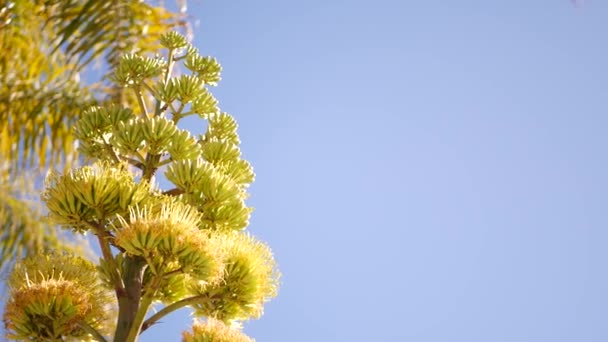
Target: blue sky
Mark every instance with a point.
(426, 170)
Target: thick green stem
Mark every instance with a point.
(150, 166)
(170, 308)
(129, 301)
(144, 305)
(104, 245)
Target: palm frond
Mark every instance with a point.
(23, 230)
(89, 29)
(39, 96)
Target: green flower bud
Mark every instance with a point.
(158, 133)
(90, 194)
(217, 152)
(205, 105)
(173, 40)
(190, 88)
(184, 146)
(95, 128)
(133, 69)
(168, 92)
(222, 127)
(206, 68)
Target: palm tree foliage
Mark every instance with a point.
(46, 49)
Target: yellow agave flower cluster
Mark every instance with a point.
(249, 276)
(214, 331)
(54, 296)
(168, 238)
(183, 246)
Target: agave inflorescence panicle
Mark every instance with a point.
(183, 246)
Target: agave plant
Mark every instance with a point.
(185, 246)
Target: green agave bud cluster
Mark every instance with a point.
(189, 87)
(214, 331)
(158, 133)
(96, 126)
(181, 246)
(205, 105)
(91, 194)
(173, 40)
(226, 157)
(216, 183)
(222, 127)
(134, 69)
(186, 89)
(206, 68)
(184, 146)
(115, 133)
(219, 199)
(54, 297)
(128, 138)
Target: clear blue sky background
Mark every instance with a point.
(426, 170)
